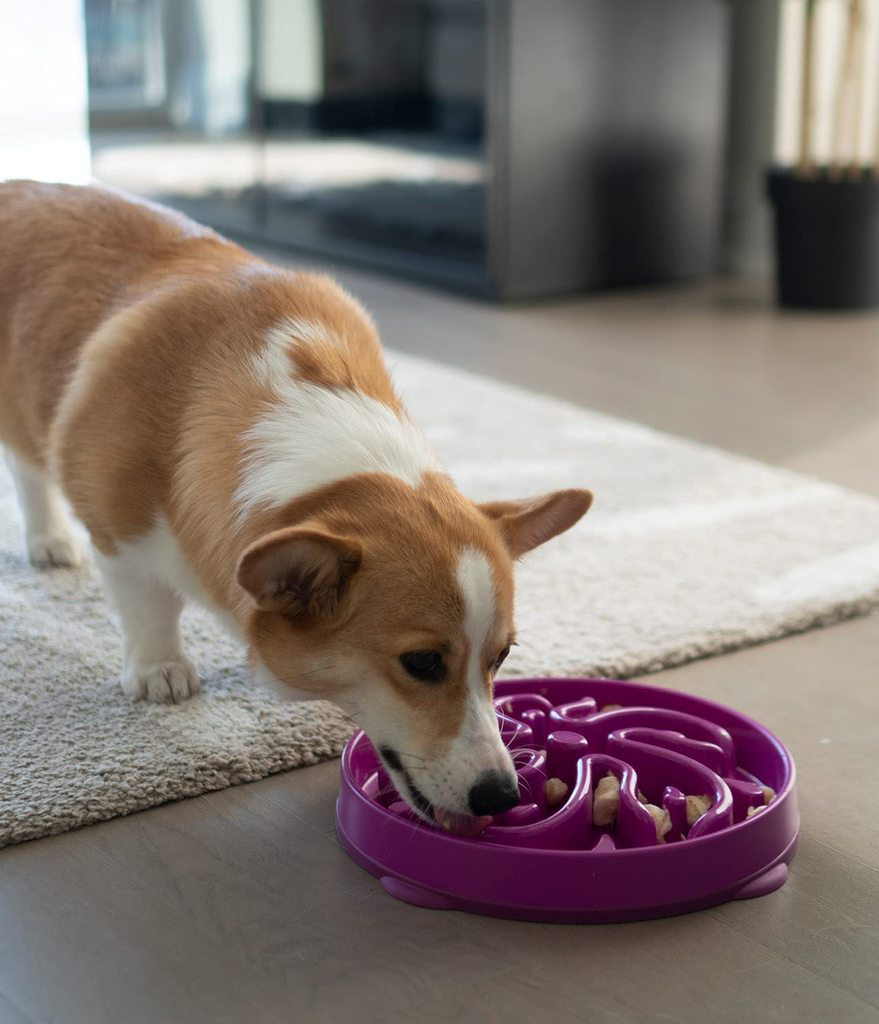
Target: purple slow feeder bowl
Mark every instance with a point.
(533, 863)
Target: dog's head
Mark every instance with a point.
(397, 603)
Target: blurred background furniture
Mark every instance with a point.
(504, 147)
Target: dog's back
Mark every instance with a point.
(69, 256)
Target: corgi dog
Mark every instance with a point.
(227, 432)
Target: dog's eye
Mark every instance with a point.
(501, 658)
(426, 666)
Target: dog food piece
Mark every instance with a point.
(768, 794)
(661, 819)
(556, 791)
(606, 800)
(754, 810)
(610, 707)
(696, 807)
(641, 798)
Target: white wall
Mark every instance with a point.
(43, 91)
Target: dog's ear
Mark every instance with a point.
(300, 572)
(525, 525)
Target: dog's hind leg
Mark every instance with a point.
(47, 527)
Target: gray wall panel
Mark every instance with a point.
(608, 151)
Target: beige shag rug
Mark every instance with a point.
(687, 552)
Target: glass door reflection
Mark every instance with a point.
(349, 127)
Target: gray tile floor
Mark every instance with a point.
(240, 906)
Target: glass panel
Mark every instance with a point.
(373, 112)
(170, 104)
(351, 127)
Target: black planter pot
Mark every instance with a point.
(826, 240)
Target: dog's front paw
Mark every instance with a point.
(162, 682)
(54, 551)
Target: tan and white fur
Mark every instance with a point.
(227, 432)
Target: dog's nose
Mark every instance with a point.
(493, 793)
